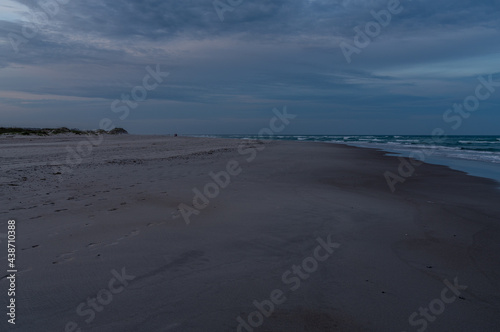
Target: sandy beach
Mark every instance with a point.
(157, 233)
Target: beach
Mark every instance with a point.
(162, 233)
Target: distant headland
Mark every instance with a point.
(57, 131)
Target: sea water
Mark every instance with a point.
(476, 155)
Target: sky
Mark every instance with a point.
(221, 67)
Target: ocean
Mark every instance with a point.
(475, 155)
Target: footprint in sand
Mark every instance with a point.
(135, 232)
(92, 246)
(32, 247)
(18, 272)
(25, 270)
(64, 258)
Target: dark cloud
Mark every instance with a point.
(264, 54)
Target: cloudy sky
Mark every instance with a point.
(72, 62)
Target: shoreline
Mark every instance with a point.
(472, 167)
(116, 211)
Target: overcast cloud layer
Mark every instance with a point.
(227, 76)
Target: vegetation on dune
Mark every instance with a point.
(56, 131)
(117, 131)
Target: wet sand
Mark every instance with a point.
(310, 231)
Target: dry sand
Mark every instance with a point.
(117, 212)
